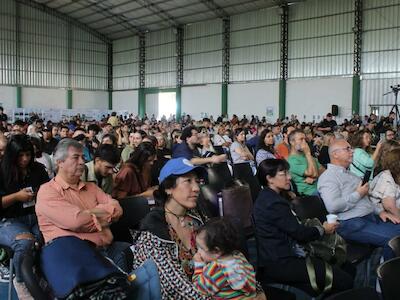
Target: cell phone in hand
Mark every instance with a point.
(367, 175)
(29, 203)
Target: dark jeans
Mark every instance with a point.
(370, 229)
(293, 271)
(10, 228)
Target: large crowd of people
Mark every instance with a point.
(71, 178)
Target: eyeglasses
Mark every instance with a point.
(348, 149)
(283, 173)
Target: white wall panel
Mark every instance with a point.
(90, 100)
(44, 98)
(126, 100)
(8, 97)
(254, 99)
(198, 100)
(311, 99)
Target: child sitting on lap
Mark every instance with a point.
(221, 271)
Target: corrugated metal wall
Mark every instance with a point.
(7, 42)
(321, 38)
(89, 61)
(161, 58)
(202, 62)
(44, 40)
(381, 53)
(126, 63)
(43, 49)
(255, 47)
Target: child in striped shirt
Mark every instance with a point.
(221, 271)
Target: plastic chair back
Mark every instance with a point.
(389, 274)
(394, 243)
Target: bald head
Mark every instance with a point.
(341, 153)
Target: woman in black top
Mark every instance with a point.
(279, 234)
(20, 179)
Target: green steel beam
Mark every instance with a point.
(69, 99)
(224, 100)
(282, 98)
(355, 100)
(110, 100)
(142, 102)
(19, 97)
(178, 96)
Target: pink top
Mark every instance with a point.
(60, 211)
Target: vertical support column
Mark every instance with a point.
(284, 59)
(110, 75)
(226, 43)
(142, 78)
(69, 99)
(69, 67)
(18, 53)
(179, 73)
(355, 102)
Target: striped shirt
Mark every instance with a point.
(226, 278)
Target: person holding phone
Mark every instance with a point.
(20, 178)
(344, 195)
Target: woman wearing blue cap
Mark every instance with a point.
(168, 231)
(168, 235)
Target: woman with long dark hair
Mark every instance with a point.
(20, 179)
(265, 148)
(364, 158)
(134, 178)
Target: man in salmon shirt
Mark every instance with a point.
(67, 206)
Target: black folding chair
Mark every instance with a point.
(389, 274)
(244, 172)
(394, 243)
(135, 208)
(218, 176)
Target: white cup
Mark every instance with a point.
(331, 218)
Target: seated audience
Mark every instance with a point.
(343, 195)
(328, 124)
(49, 142)
(304, 168)
(134, 178)
(188, 149)
(20, 179)
(280, 235)
(67, 206)
(101, 169)
(363, 160)
(42, 157)
(283, 149)
(385, 187)
(221, 270)
(265, 146)
(323, 156)
(239, 151)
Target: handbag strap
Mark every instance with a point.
(313, 277)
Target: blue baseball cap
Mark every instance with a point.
(180, 166)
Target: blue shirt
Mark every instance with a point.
(183, 150)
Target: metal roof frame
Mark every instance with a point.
(51, 11)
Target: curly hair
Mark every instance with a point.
(391, 162)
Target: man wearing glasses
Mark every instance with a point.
(344, 195)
